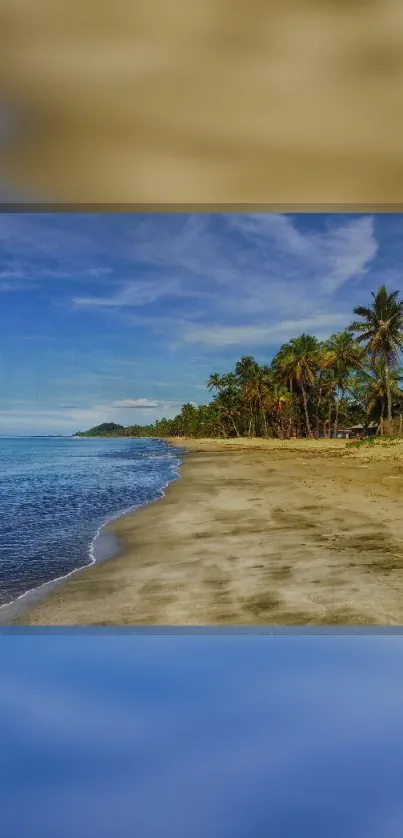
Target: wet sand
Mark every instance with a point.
(253, 533)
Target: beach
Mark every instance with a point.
(254, 532)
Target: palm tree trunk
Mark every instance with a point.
(254, 423)
(401, 424)
(381, 419)
(329, 421)
(318, 401)
(336, 419)
(262, 411)
(233, 423)
(308, 427)
(388, 394)
(292, 430)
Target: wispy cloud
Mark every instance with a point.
(135, 403)
(340, 253)
(253, 336)
(349, 250)
(7, 287)
(141, 293)
(240, 267)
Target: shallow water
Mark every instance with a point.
(55, 495)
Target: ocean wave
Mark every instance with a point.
(83, 495)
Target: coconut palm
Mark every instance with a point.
(299, 362)
(282, 365)
(215, 382)
(279, 406)
(228, 402)
(247, 373)
(343, 354)
(372, 389)
(257, 397)
(381, 332)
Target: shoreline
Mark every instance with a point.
(255, 532)
(13, 611)
(24, 602)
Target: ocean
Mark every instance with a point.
(57, 493)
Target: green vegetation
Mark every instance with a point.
(106, 429)
(310, 389)
(371, 441)
(381, 332)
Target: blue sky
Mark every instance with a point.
(122, 317)
(222, 736)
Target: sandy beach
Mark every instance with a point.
(254, 532)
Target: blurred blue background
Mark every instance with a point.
(190, 735)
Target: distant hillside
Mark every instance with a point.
(106, 429)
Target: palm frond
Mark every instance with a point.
(363, 311)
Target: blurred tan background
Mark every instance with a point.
(205, 100)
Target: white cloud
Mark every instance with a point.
(135, 403)
(349, 250)
(273, 268)
(132, 295)
(322, 325)
(339, 254)
(7, 287)
(275, 227)
(250, 287)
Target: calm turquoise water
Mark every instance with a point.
(55, 494)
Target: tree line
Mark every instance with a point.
(310, 388)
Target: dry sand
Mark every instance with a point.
(253, 532)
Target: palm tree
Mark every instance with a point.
(215, 382)
(279, 404)
(247, 373)
(381, 331)
(228, 400)
(344, 354)
(283, 365)
(371, 388)
(299, 361)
